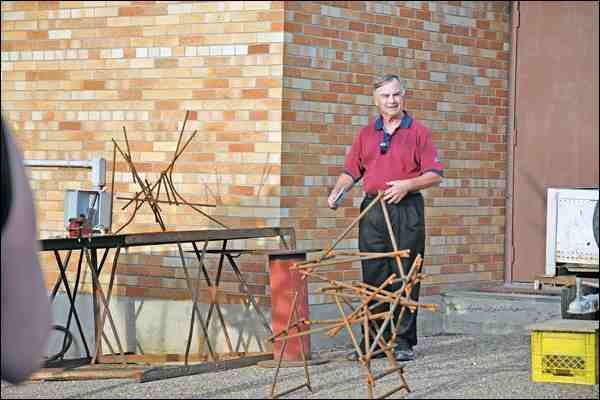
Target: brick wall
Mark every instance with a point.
(455, 58)
(277, 90)
(75, 73)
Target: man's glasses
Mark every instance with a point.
(384, 145)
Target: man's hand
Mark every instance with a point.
(343, 184)
(397, 190)
(332, 199)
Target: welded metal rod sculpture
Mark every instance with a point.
(369, 298)
(150, 193)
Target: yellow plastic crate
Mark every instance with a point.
(565, 351)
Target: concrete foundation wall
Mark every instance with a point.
(160, 326)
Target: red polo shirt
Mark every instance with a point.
(411, 153)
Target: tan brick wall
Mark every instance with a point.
(455, 57)
(75, 73)
(277, 91)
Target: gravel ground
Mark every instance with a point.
(446, 367)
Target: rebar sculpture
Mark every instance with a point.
(369, 297)
(151, 193)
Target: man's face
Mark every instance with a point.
(389, 98)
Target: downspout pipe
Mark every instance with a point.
(97, 165)
(511, 142)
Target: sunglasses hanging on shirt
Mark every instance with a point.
(384, 145)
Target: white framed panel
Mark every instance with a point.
(569, 227)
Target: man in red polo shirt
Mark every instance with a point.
(394, 153)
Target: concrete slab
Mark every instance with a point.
(494, 313)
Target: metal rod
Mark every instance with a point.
(112, 185)
(354, 259)
(187, 114)
(388, 223)
(403, 386)
(108, 297)
(283, 346)
(103, 300)
(75, 290)
(349, 328)
(250, 296)
(379, 195)
(147, 192)
(137, 195)
(291, 390)
(59, 278)
(169, 202)
(128, 158)
(138, 204)
(178, 154)
(195, 302)
(285, 333)
(369, 298)
(386, 373)
(70, 297)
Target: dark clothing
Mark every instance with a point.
(26, 311)
(408, 222)
(411, 153)
(378, 158)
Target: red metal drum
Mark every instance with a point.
(284, 285)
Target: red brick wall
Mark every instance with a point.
(277, 91)
(455, 59)
(75, 73)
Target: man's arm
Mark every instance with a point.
(400, 188)
(344, 182)
(352, 172)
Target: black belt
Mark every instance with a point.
(409, 194)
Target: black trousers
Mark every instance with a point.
(408, 222)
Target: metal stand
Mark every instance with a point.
(88, 248)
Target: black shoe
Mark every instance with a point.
(404, 355)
